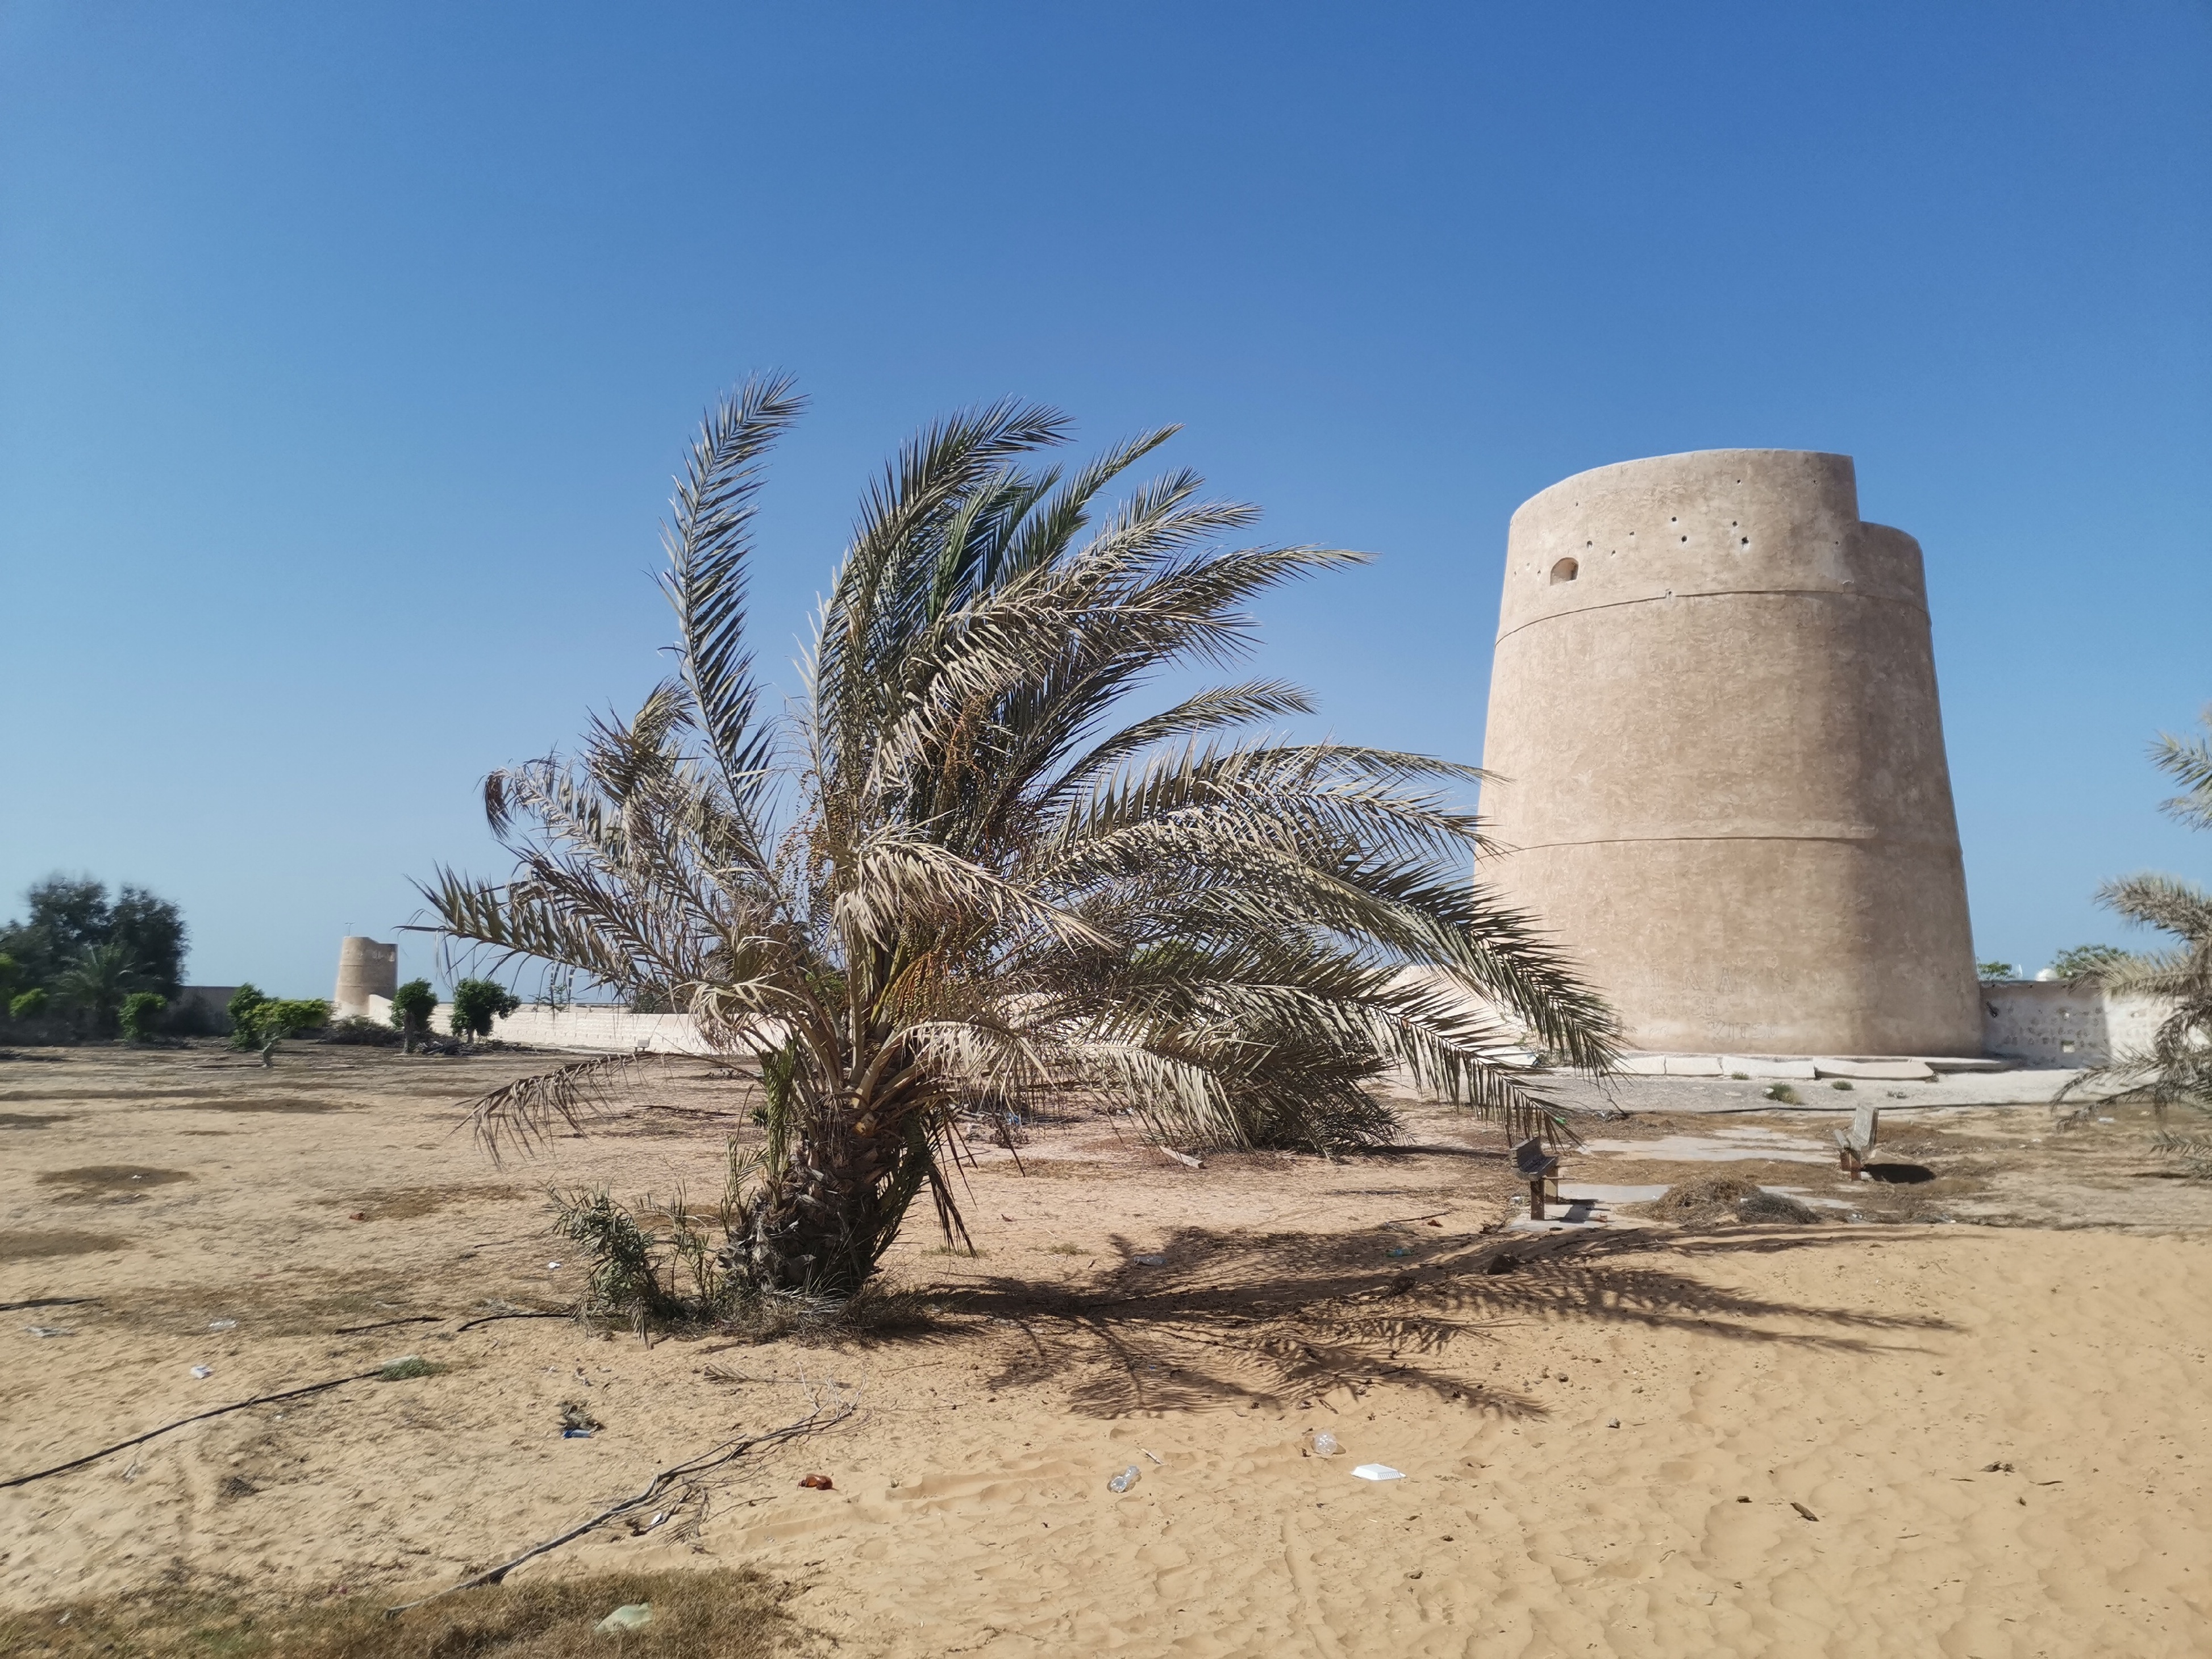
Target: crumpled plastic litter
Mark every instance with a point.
(203, 1372)
(636, 1616)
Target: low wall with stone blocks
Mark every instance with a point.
(2058, 1023)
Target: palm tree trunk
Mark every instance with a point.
(819, 1225)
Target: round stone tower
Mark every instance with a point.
(1721, 781)
(365, 968)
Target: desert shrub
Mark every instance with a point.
(1782, 1092)
(28, 1004)
(477, 1003)
(353, 1029)
(623, 1278)
(141, 1013)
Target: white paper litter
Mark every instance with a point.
(1379, 1472)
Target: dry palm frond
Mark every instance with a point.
(2176, 1069)
(955, 877)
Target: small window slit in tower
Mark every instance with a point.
(1565, 571)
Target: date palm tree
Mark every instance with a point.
(950, 880)
(2176, 1069)
(97, 982)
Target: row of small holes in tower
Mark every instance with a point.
(1567, 570)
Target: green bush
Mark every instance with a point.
(477, 1003)
(31, 1004)
(243, 1002)
(142, 1012)
(412, 1005)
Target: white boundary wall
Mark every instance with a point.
(2053, 1022)
(591, 1028)
(2030, 1022)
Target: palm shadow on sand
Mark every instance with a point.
(1243, 1318)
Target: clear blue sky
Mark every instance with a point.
(345, 353)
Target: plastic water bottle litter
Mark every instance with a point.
(1124, 1481)
(1379, 1472)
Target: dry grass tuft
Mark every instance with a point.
(719, 1615)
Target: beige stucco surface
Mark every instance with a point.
(1721, 759)
(367, 969)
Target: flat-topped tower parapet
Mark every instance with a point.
(1713, 712)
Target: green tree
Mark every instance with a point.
(28, 1004)
(2176, 1070)
(11, 978)
(412, 1005)
(260, 1023)
(153, 931)
(96, 983)
(477, 1003)
(2083, 962)
(69, 916)
(141, 1014)
(953, 881)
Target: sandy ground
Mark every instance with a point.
(1976, 1421)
